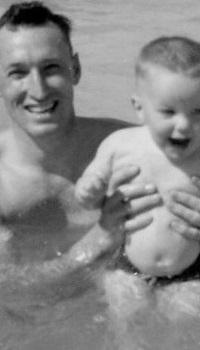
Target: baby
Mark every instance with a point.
(167, 149)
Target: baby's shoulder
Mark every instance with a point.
(128, 137)
(127, 134)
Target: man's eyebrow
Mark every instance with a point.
(51, 59)
(23, 63)
(13, 66)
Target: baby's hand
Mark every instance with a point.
(90, 190)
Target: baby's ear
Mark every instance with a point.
(136, 102)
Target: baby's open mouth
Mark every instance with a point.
(179, 142)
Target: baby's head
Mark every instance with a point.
(176, 54)
(167, 79)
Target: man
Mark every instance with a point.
(46, 239)
(46, 148)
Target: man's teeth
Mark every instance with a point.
(41, 109)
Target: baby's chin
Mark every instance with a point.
(176, 151)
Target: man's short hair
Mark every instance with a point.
(34, 13)
(176, 53)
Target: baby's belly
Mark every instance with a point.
(157, 250)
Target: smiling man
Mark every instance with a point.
(46, 148)
(41, 153)
(45, 236)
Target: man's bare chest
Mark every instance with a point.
(41, 214)
(22, 189)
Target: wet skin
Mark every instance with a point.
(42, 154)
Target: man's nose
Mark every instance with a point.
(37, 85)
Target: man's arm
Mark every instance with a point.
(104, 238)
(81, 258)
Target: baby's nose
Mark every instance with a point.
(183, 123)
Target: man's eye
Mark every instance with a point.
(51, 68)
(17, 74)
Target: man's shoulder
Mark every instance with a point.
(104, 122)
(100, 128)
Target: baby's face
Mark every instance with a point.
(170, 104)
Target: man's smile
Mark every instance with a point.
(42, 108)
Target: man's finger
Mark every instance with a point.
(188, 200)
(185, 230)
(142, 204)
(137, 223)
(189, 215)
(133, 191)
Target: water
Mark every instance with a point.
(107, 34)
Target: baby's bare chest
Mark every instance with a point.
(156, 168)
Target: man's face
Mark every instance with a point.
(170, 104)
(36, 78)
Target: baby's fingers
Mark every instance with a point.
(122, 175)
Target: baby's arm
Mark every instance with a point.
(92, 186)
(91, 189)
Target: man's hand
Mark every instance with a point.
(186, 207)
(127, 206)
(138, 198)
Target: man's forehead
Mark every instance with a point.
(20, 33)
(25, 38)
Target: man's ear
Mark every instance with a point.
(76, 69)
